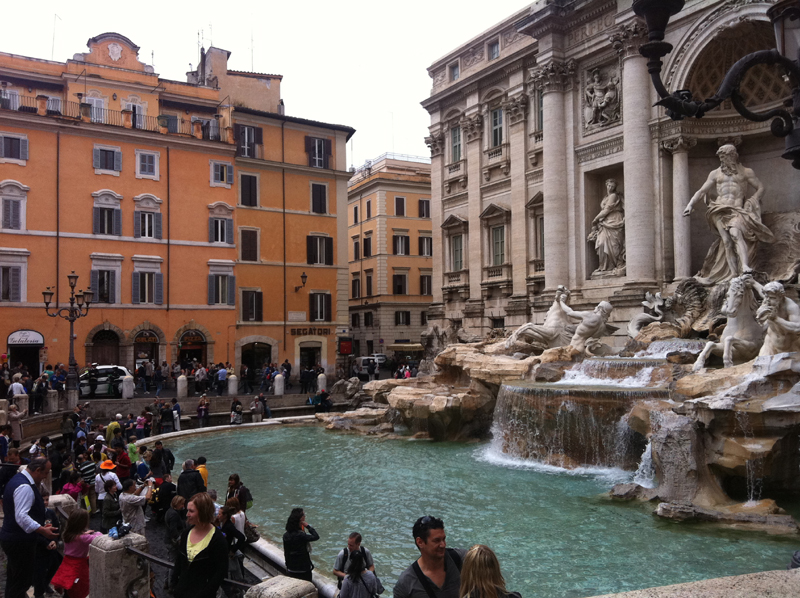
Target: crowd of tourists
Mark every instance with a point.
(17, 380)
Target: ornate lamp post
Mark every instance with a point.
(785, 17)
(78, 308)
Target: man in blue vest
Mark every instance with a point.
(24, 514)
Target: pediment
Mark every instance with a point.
(535, 201)
(495, 209)
(454, 220)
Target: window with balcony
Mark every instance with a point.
(455, 144)
(457, 252)
(98, 109)
(319, 250)
(497, 127)
(137, 116)
(498, 245)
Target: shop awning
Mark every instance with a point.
(406, 347)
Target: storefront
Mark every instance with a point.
(105, 348)
(145, 347)
(27, 346)
(255, 355)
(191, 346)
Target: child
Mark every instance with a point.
(75, 487)
(73, 574)
(133, 452)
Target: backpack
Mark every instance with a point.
(344, 562)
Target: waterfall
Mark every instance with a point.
(645, 475)
(754, 468)
(660, 349)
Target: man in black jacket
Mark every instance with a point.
(190, 482)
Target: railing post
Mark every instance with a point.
(116, 572)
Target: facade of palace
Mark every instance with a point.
(533, 119)
(187, 208)
(390, 249)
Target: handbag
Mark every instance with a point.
(251, 534)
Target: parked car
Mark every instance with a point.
(103, 387)
(362, 363)
(380, 359)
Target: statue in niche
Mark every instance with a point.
(781, 316)
(602, 100)
(733, 217)
(608, 233)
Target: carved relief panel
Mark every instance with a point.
(602, 97)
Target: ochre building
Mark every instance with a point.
(390, 248)
(185, 207)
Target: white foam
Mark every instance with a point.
(660, 349)
(489, 454)
(645, 476)
(641, 379)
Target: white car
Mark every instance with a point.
(103, 387)
(380, 358)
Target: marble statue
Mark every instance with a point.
(743, 334)
(608, 233)
(434, 340)
(733, 217)
(602, 100)
(781, 316)
(555, 332)
(592, 326)
(657, 304)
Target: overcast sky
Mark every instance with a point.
(355, 63)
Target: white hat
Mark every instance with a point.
(119, 416)
(100, 437)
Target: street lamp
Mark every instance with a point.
(785, 17)
(303, 279)
(78, 308)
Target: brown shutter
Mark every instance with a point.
(310, 149)
(328, 308)
(397, 318)
(328, 152)
(249, 246)
(311, 250)
(259, 135)
(420, 245)
(311, 304)
(329, 251)
(421, 209)
(259, 307)
(237, 133)
(394, 244)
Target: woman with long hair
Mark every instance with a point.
(359, 582)
(202, 553)
(296, 545)
(235, 540)
(481, 576)
(73, 574)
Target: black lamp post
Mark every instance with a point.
(785, 17)
(78, 308)
(303, 279)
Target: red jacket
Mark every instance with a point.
(123, 465)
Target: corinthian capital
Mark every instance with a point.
(629, 38)
(681, 143)
(436, 143)
(472, 126)
(554, 76)
(516, 108)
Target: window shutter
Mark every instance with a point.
(159, 288)
(7, 213)
(231, 290)
(118, 222)
(237, 133)
(96, 215)
(394, 244)
(329, 251)
(310, 150)
(246, 316)
(421, 248)
(23, 149)
(95, 285)
(249, 245)
(259, 135)
(368, 247)
(157, 219)
(16, 284)
(137, 224)
(211, 230)
(312, 304)
(397, 318)
(259, 306)
(229, 174)
(328, 309)
(118, 161)
(112, 287)
(135, 288)
(229, 231)
(311, 250)
(211, 289)
(328, 152)
(395, 283)
(408, 318)
(406, 245)
(421, 209)
(2, 145)
(353, 289)
(97, 159)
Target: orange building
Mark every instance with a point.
(389, 251)
(133, 182)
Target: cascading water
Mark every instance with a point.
(645, 475)
(581, 419)
(660, 349)
(754, 468)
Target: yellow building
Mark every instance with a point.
(390, 243)
(135, 182)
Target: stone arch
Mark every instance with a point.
(162, 338)
(162, 342)
(192, 325)
(706, 28)
(492, 94)
(105, 325)
(453, 114)
(254, 338)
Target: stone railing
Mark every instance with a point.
(494, 154)
(459, 278)
(501, 272)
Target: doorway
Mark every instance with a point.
(29, 356)
(255, 355)
(105, 348)
(310, 356)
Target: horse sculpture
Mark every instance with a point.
(555, 332)
(743, 334)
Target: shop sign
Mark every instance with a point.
(192, 337)
(297, 316)
(345, 346)
(146, 336)
(305, 331)
(25, 337)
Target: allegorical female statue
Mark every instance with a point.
(608, 233)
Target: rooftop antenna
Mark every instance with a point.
(199, 37)
(53, 50)
(210, 35)
(252, 68)
(153, 59)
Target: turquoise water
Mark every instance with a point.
(554, 532)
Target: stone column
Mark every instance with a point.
(112, 567)
(638, 164)
(553, 79)
(436, 144)
(515, 109)
(681, 193)
(473, 127)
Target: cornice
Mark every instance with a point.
(600, 149)
(707, 127)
